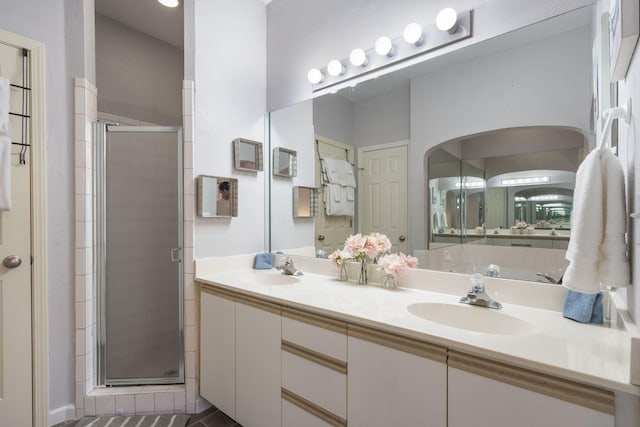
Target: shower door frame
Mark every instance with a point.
(100, 130)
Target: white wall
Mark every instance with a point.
(332, 118)
(384, 118)
(230, 86)
(48, 22)
(137, 76)
(302, 35)
(292, 128)
(544, 83)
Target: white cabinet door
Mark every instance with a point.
(217, 352)
(389, 387)
(258, 369)
(478, 401)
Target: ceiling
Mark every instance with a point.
(148, 17)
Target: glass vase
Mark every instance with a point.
(342, 272)
(390, 281)
(362, 277)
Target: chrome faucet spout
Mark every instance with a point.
(477, 294)
(289, 268)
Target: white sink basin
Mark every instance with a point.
(468, 317)
(262, 277)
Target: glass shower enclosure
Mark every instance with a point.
(138, 251)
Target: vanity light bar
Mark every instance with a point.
(470, 184)
(416, 40)
(525, 181)
(544, 198)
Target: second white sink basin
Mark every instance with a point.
(477, 319)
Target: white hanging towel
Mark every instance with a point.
(339, 200)
(339, 172)
(5, 173)
(597, 251)
(5, 88)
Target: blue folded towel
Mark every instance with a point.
(585, 308)
(264, 261)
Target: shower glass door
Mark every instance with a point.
(138, 189)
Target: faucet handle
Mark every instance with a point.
(477, 282)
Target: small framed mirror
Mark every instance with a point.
(305, 202)
(217, 196)
(247, 155)
(284, 162)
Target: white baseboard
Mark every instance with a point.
(62, 414)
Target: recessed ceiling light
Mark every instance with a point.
(526, 181)
(169, 3)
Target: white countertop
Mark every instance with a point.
(593, 354)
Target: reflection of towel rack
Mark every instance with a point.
(610, 114)
(24, 114)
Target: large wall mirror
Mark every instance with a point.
(435, 145)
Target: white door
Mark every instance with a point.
(15, 281)
(383, 191)
(330, 231)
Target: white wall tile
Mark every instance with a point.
(189, 312)
(189, 183)
(145, 403)
(80, 315)
(90, 405)
(126, 404)
(80, 280)
(188, 155)
(189, 207)
(80, 400)
(190, 338)
(189, 287)
(105, 405)
(164, 402)
(188, 260)
(79, 98)
(80, 368)
(81, 342)
(190, 384)
(179, 401)
(190, 364)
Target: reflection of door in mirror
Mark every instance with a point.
(384, 193)
(330, 231)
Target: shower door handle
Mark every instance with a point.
(175, 254)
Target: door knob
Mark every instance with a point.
(402, 238)
(12, 261)
(320, 237)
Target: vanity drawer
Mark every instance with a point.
(323, 383)
(317, 333)
(297, 412)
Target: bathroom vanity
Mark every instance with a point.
(279, 350)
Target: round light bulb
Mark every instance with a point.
(447, 20)
(358, 58)
(169, 3)
(315, 76)
(413, 34)
(384, 47)
(335, 68)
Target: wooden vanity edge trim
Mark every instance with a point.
(315, 320)
(580, 394)
(315, 357)
(243, 299)
(313, 409)
(408, 345)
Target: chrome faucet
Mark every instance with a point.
(493, 270)
(477, 295)
(288, 268)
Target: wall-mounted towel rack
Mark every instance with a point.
(24, 115)
(610, 114)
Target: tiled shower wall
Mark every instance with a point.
(126, 400)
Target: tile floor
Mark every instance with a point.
(212, 417)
